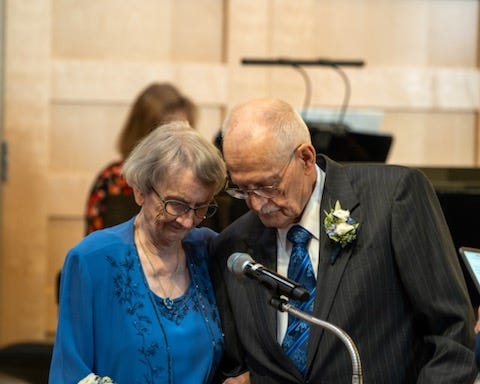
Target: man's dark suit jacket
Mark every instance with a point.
(397, 290)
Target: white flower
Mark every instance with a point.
(343, 228)
(341, 214)
(95, 379)
(90, 379)
(340, 226)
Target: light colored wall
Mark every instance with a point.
(72, 68)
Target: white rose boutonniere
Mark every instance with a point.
(340, 227)
(95, 379)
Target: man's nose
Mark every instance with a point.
(256, 202)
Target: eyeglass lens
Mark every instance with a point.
(179, 208)
(267, 192)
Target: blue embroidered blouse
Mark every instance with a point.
(111, 324)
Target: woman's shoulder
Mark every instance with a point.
(196, 243)
(200, 235)
(109, 240)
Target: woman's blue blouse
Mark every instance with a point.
(110, 322)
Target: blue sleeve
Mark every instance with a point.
(73, 351)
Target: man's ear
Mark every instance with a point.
(308, 155)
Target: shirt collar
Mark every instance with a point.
(310, 217)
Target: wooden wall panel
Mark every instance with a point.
(24, 248)
(248, 35)
(431, 139)
(119, 82)
(391, 33)
(83, 136)
(109, 29)
(452, 44)
(147, 30)
(195, 28)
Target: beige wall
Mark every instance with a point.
(73, 67)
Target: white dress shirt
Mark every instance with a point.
(311, 222)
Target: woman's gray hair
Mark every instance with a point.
(170, 148)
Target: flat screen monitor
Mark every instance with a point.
(470, 258)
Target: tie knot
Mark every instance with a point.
(299, 235)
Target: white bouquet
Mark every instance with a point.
(95, 379)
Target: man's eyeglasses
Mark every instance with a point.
(268, 191)
(178, 208)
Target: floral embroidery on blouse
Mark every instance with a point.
(127, 294)
(199, 297)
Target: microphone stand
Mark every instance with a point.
(284, 306)
(296, 62)
(299, 63)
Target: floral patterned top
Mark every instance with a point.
(111, 199)
(111, 324)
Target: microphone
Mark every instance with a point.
(243, 264)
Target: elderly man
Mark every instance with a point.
(377, 259)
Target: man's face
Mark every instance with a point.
(254, 173)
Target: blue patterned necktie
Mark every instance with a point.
(300, 270)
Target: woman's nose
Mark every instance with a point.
(187, 220)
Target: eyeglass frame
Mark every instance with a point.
(212, 205)
(244, 194)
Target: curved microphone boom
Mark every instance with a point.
(242, 264)
(299, 63)
(284, 306)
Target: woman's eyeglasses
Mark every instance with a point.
(178, 208)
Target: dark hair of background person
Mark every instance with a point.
(157, 104)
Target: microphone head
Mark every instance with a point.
(237, 261)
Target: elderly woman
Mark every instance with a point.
(136, 302)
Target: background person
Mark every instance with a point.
(111, 200)
(136, 301)
(393, 282)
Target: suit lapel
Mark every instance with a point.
(263, 249)
(337, 187)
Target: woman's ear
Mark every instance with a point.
(139, 196)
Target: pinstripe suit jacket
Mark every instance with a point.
(398, 290)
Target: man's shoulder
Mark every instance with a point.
(376, 168)
(365, 169)
(246, 223)
(382, 171)
(240, 231)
